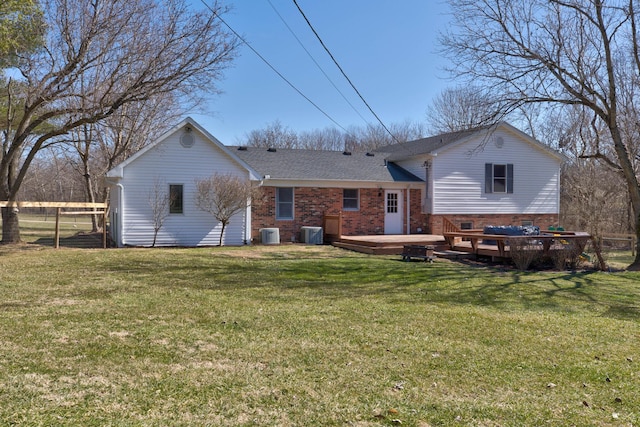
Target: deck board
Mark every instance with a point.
(388, 244)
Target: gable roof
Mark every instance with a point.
(117, 171)
(434, 144)
(308, 165)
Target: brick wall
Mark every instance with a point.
(311, 204)
(419, 223)
(481, 220)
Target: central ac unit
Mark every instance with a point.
(312, 235)
(270, 236)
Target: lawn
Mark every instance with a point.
(305, 335)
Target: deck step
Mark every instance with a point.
(381, 248)
(369, 249)
(452, 254)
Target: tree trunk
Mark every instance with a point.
(635, 266)
(95, 226)
(224, 225)
(10, 226)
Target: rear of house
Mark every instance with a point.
(302, 187)
(492, 176)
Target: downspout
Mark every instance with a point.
(120, 213)
(408, 209)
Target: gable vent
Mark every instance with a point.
(187, 140)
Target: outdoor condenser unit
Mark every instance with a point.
(311, 235)
(270, 236)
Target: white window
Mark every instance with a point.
(284, 203)
(498, 178)
(350, 199)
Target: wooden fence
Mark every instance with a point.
(624, 239)
(96, 209)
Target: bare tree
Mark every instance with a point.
(593, 199)
(159, 200)
(565, 52)
(98, 147)
(461, 108)
(356, 139)
(275, 135)
(224, 195)
(98, 57)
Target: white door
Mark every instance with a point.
(393, 212)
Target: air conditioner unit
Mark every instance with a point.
(312, 235)
(270, 236)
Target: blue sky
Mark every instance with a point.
(387, 48)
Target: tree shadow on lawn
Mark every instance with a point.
(611, 295)
(80, 240)
(410, 283)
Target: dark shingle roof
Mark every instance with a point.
(299, 164)
(426, 145)
(433, 144)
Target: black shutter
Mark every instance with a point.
(488, 178)
(510, 178)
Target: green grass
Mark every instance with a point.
(75, 230)
(297, 335)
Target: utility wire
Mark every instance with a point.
(272, 67)
(316, 62)
(343, 73)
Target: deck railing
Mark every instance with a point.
(332, 226)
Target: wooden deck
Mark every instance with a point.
(389, 244)
(475, 242)
(456, 243)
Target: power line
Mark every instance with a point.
(316, 62)
(343, 73)
(273, 68)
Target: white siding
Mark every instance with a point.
(458, 178)
(415, 165)
(171, 163)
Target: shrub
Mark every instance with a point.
(524, 252)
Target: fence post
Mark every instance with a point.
(56, 243)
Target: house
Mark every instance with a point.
(494, 175)
(170, 166)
